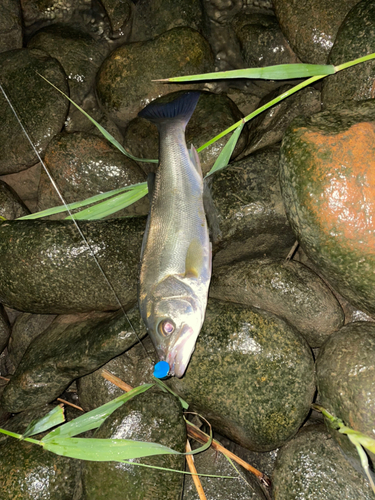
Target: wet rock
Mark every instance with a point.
(46, 267)
(78, 53)
(346, 383)
(212, 462)
(71, 347)
(213, 114)
(285, 288)
(152, 19)
(312, 466)
(119, 13)
(355, 38)
(311, 27)
(262, 42)
(11, 205)
(262, 363)
(25, 184)
(245, 210)
(152, 417)
(26, 327)
(10, 25)
(269, 127)
(4, 328)
(134, 367)
(85, 165)
(328, 185)
(32, 473)
(41, 109)
(124, 84)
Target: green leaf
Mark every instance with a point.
(94, 418)
(278, 72)
(113, 205)
(53, 418)
(104, 132)
(104, 450)
(226, 153)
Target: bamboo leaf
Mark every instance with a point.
(277, 72)
(94, 418)
(226, 153)
(53, 418)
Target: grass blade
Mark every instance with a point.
(93, 419)
(277, 72)
(113, 205)
(53, 418)
(106, 134)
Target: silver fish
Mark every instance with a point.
(176, 252)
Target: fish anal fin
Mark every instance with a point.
(194, 259)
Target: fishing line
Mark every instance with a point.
(109, 284)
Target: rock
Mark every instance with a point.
(78, 53)
(4, 328)
(134, 367)
(312, 466)
(119, 13)
(355, 38)
(245, 210)
(84, 165)
(10, 25)
(25, 184)
(269, 127)
(213, 114)
(152, 19)
(212, 462)
(153, 417)
(328, 183)
(71, 347)
(124, 83)
(40, 107)
(46, 267)
(11, 205)
(311, 27)
(262, 41)
(346, 383)
(32, 473)
(251, 375)
(285, 288)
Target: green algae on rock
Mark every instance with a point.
(290, 290)
(46, 267)
(346, 382)
(327, 173)
(311, 466)
(251, 375)
(153, 417)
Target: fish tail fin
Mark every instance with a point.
(180, 109)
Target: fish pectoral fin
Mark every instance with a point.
(193, 154)
(194, 259)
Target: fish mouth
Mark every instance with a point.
(179, 356)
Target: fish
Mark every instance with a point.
(175, 270)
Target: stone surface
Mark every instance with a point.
(245, 210)
(46, 267)
(71, 347)
(11, 205)
(10, 25)
(311, 26)
(154, 417)
(356, 38)
(41, 109)
(328, 185)
(5, 329)
(251, 375)
(312, 466)
(124, 82)
(285, 288)
(25, 184)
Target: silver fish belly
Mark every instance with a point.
(176, 252)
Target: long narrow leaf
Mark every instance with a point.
(112, 205)
(94, 418)
(53, 418)
(105, 133)
(277, 72)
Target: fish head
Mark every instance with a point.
(174, 321)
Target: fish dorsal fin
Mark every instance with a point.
(193, 154)
(151, 185)
(194, 259)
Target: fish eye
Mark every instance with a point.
(166, 327)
